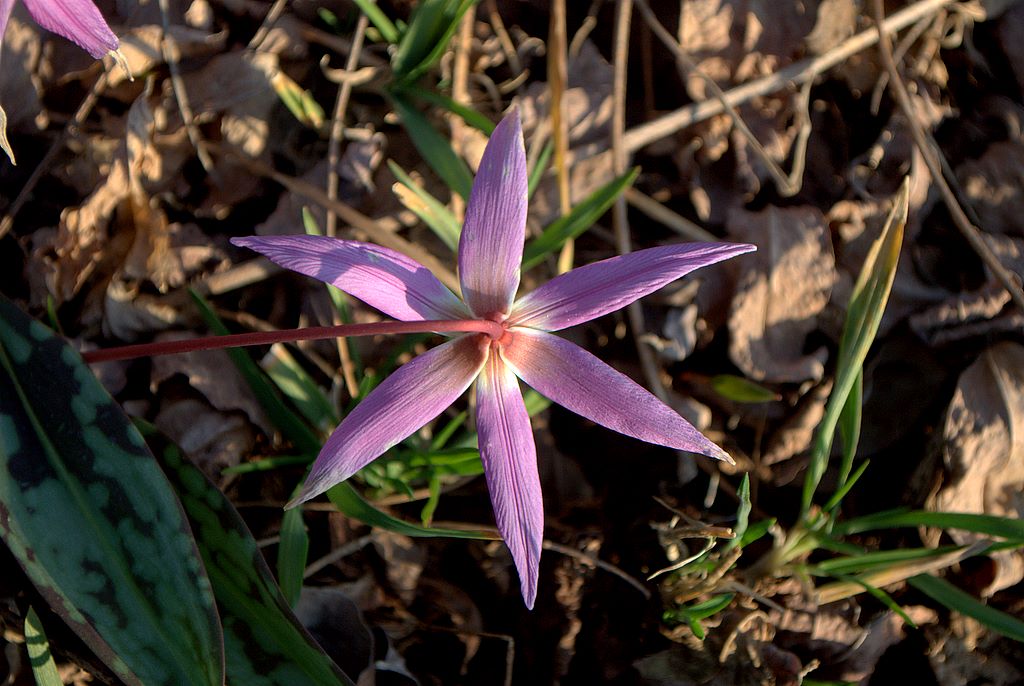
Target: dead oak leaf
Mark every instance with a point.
(984, 446)
(786, 286)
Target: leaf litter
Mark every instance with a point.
(126, 217)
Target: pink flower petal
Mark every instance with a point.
(510, 464)
(6, 6)
(491, 245)
(573, 378)
(76, 20)
(413, 395)
(396, 285)
(595, 289)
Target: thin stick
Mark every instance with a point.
(273, 14)
(558, 81)
(601, 564)
(312, 333)
(169, 48)
(797, 73)
(931, 155)
(338, 122)
(787, 184)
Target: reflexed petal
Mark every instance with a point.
(413, 395)
(491, 245)
(396, 285)
(510, 464)
(595, 289)
(573, 378)
(76, 20)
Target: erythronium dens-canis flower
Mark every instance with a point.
(517, 343)
(76, 20)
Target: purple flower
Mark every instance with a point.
(76, 20)
(490, 252)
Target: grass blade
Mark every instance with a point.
(988, 525)
(428, 208)
(380, 20)
(867, 303)
(581, 218)
(434, 148)
(941, 591)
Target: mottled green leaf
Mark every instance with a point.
(265, 644)
(38, 647)
(90, 516)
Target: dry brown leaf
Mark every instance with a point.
(587, 107)
(984, 312)
(20, 49)
(962, 652)
(1008, 31)
(211, 373)
(994, 184)
(404, 558)
(984, 446)
(213, 440)
(141, 48)
(785, 287)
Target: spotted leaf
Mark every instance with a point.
(264, 643)
(90, 516)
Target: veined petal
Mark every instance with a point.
(76, 20)
(595, 289)
(573, 378)
(491, 245)
(510, 464)
(413, 395)
(396, 285)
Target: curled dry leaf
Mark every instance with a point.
(994, 185)
(984, 448)
(213, 440)
(212, 374)
(984, 312)
(786, 286)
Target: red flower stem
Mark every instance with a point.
(129, 352)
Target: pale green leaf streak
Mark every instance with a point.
(92, 519)
(38, 647)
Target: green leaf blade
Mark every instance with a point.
(265, 644)
(93, 520)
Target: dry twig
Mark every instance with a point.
(932, 158)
